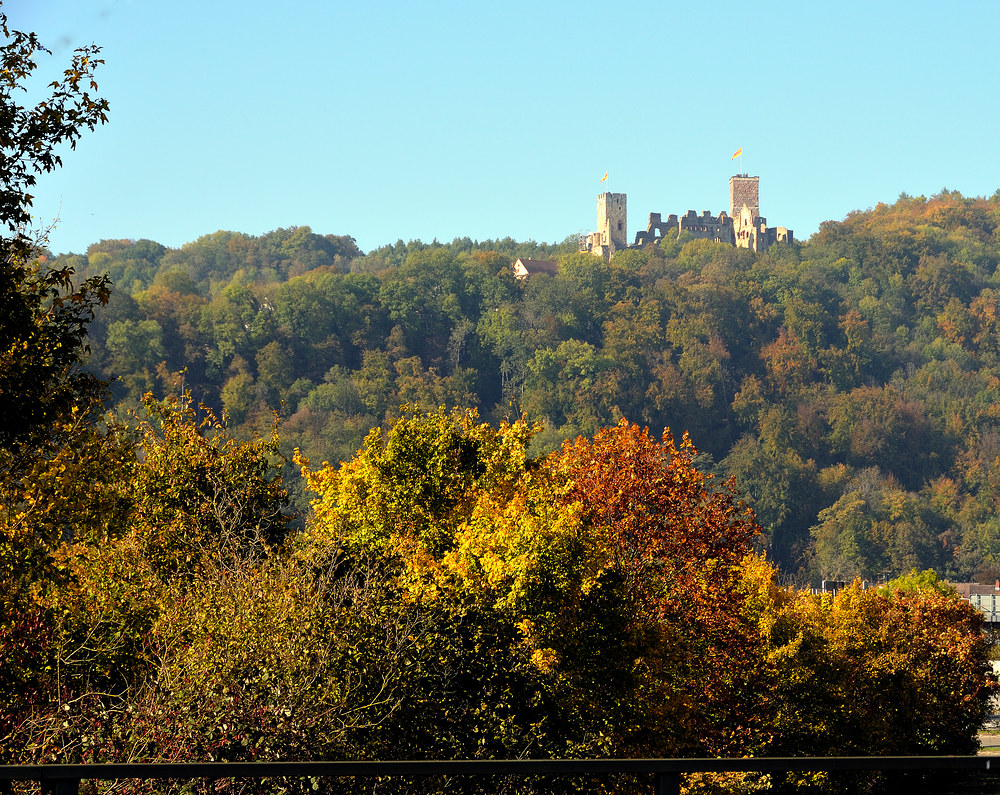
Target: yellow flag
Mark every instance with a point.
(605, 177)
(737, 153)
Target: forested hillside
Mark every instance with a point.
(851, 384)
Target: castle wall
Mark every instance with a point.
(706, 226)
(656, 229)
(751, 229)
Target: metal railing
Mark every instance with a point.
(665, 774)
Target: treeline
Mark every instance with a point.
(849, 383)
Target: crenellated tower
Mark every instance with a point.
(612, 226)
(744, 189)
(612, 221)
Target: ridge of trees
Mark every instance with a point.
(848, 382)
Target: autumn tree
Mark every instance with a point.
(898, 669)
(621, 537)
(676, 540)
(465, 526)
(127, 534)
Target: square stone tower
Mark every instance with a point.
(612, 221)
(744, 190)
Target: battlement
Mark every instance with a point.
(705, 226)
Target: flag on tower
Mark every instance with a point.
(605, 177)
(737, 153)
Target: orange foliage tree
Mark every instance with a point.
(677, 541)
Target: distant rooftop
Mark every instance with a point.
(523, 267)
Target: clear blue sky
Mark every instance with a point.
(387, 120)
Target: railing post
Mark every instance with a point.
(61, 786)
(668, 784)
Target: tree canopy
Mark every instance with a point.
(456, 596)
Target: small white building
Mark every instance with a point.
(523, 268)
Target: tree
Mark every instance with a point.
(31, 135)
(677, 540)
(43, 318)
(121, 535)
(879, 426)
(564, 384)
(899, 669)
(534, 564)
(46, 402)
(466, 527)
(874, 527)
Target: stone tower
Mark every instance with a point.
(612, 221)
(744, 190)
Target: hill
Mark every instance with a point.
(850, 383)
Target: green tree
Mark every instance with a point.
(43, 317)
(876, 527)
(563, 385)
(135, 344)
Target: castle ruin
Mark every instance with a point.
(742, 226)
